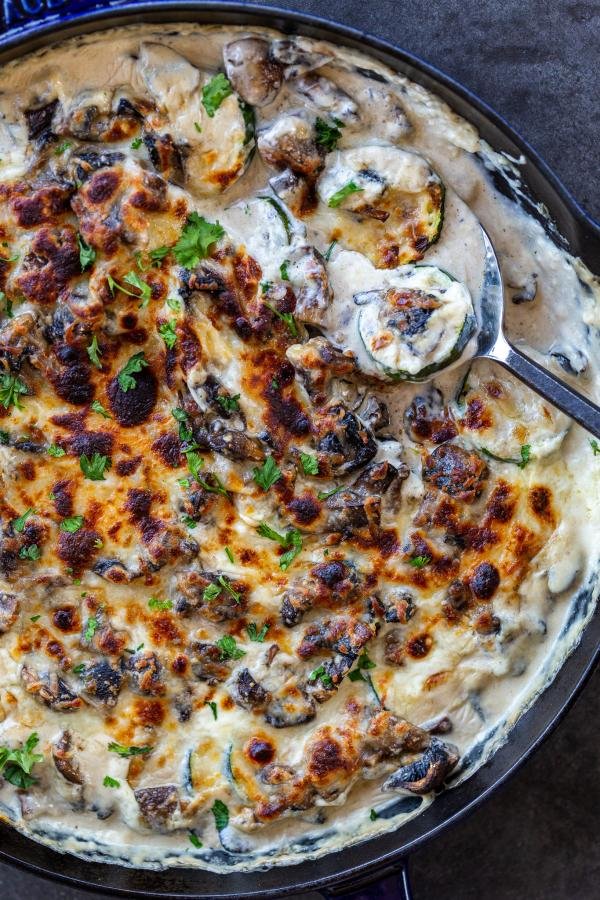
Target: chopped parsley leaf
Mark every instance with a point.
(31, 552)
(254, 634)
(19, 524)
(158, 254)
(221, 814)
(226, 585)
(161, 605)
(136, 143)
(194, 840)
(56, 451)
(229, 649)
(93, 351)
(595, 447)
(35, 618)
(168, 333)
(291, 541)
(213, 93)
(79, 669)
(16, 765)
(90, 628)
(310, 464)
(373, 815)
(145, 290)
(87, 254)
(211, 592)
(111, 782)
(174, 304)
(321, 675)
(71, 524)
(196, 239)
(11, 388)
(345, 191)
(283, 270)
(266, 475)
(195, 463)
(189, 522)
(323, 495)
(525, 456)
(213, 708)
(363, 663)
(198, 127)
(328, 133)
(94, 467)
(329, 251)
(135, 364)
(62, 147)
(287, 318)
(126, 752)
(229, 555)
(98, 408)
(418, 562)
(229, 404)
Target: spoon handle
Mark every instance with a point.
(560, 394)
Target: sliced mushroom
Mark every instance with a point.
(455, 471)
(318, 362)
(290, 143)
(327, 96)
(426, 773)
(346, 445)
(145, 672)
(9, 610)
(65, 760)
(102, 682)
(290, 706)
(158, 805)
(207, 663)
(247, 692)
(308, 276)
(215, 595)
(39, 120)
(254, 73)
(51, 690)
(296, 57)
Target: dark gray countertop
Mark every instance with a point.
(537, 62)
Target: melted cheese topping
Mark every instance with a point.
(250, 590)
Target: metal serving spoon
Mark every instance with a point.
(492, 344)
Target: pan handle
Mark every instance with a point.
(394, 884)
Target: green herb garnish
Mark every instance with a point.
(323, 495)
(254, 634)
(339, 196)
(71, 524)
(168, 333)
(310, 464)
(32, 552)
(213, 93)
(221, 814)
(321, 675)
(526, 456)
(213, 708)
(229, 404)
(418, 562)
(287, 318)
(229, 649)
(98, 408)
(16, 765)
(266, 475)
(111, 782)
(11, 388)
(194, 840)
(328, 133)
(126, 752)
(94, 467)
(156, 604)
(87, 254)
(93, 351)
(196, 239)
(56, 451)
(19, 524)
(135, 364)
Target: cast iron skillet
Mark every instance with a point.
(30, 24)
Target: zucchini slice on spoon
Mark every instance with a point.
(416, 326)
(382, 201)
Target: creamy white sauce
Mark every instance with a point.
(493, 681)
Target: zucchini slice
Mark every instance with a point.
(264, 228)
(418, 325)
(213, 150)
(382, 201)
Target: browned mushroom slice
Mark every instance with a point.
(207, 663)
(296, 57)
(102, 682)
(64, 758)
(213, 594)
(290, 143)
(247, 692)
(346, 444)
(51, 690)
(145, 672)
(158, 805)
(252, 70)
(327, 96)
(318, 362)
(308, 276)
(290, 706)
(455, 471)
(9, 610)
(426, 773)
